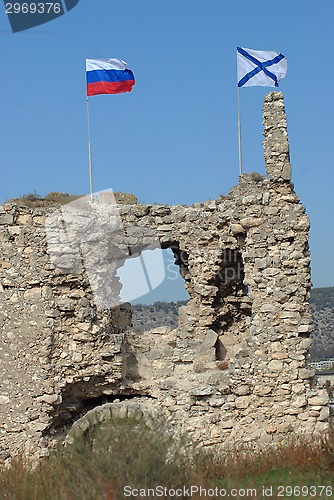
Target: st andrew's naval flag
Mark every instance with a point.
(259, 67)
(108, 76)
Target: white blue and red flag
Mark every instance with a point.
(260, 67)
(108, 76)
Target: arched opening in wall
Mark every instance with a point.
(154, 284)
(232, 303)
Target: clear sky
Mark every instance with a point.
(173, 139)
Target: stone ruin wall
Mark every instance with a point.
(234, 372)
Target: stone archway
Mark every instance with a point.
(146, 412)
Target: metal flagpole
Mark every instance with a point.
(90, 153)
(239, 135)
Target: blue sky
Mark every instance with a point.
(173, 139)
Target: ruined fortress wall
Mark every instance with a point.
(235, 370)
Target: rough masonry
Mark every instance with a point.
(235, 371)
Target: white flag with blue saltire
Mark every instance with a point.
(260, 67)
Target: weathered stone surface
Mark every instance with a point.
(242, 390)
(306, 373)
(276, 145)
(234, 371)
(319, 400)
(6, 219)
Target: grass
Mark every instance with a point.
(34, 200)
(127, 453)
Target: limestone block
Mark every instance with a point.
(236, 228)
(299, 402)
(305, 373)
(6, 219)
(51, 399)
(202, 391)
(319, 400)
(241, 390)
(324, 414)
(33, 294)
(275, 365)
(248, 222)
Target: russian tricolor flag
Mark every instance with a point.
(108, 76)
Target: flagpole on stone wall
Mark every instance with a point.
(89, 153)
(239, 134)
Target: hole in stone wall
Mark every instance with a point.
(220, 350)
(91, 403)
(232, 303)
(304, 335)
(80, 397)
(154, 284)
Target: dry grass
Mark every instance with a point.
(34, 200)
(127, 453)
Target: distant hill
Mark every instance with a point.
(322, 309)
(145, 317)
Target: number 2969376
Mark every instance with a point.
(33, 8)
